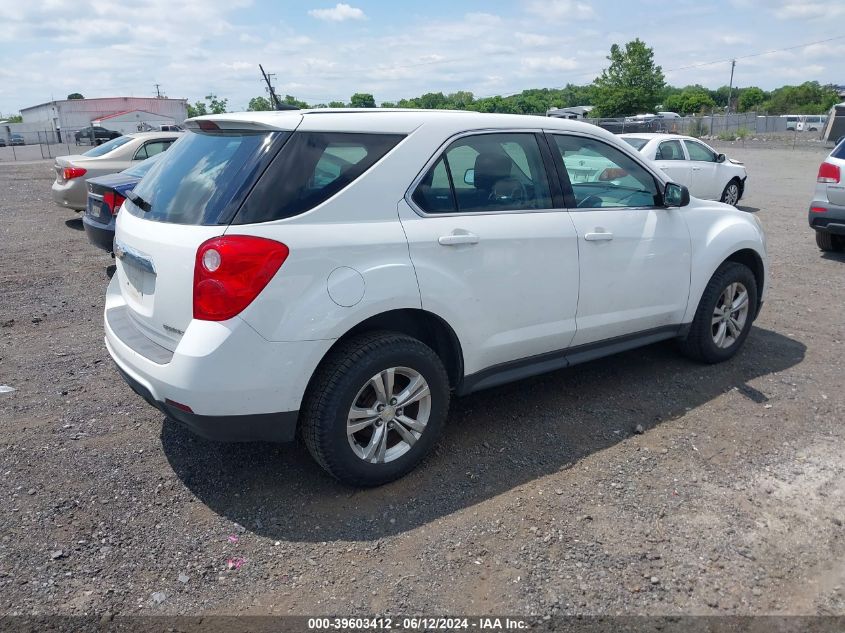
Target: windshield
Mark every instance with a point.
(203, 177)
(105, 148)
(143, 167)
(635, 141)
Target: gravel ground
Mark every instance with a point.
(541, 498)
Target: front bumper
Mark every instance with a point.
(830, 221)
(236, 385)
(72, 194)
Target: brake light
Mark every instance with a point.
(230, 272)
(113, 201)
(818, 210)
(829, 173)
(70, 173)
(208, 126)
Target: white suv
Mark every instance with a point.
(338, 274)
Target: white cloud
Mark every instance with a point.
(559, 10)
(554, 62)
(340, 13)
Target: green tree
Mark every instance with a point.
(750, 98)
(387, 104)
(259, 104)
(75, 95)
(362, 100)
(15, 118)
(459, 100)
(631, 84)
(808, 98)
(215, 105)
(291, 100)
(690, 100)
(337, 104)
(198, 109)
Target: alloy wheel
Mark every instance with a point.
(730, 315)
(388, 415)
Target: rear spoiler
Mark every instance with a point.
(223, 123)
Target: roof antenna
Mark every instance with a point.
(277, 104)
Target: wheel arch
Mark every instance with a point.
(752, 260)
(421, 324)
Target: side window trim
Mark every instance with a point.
(451, 183)
(572, 206)
(552, 174)
(562, 174)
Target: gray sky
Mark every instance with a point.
(322, 51)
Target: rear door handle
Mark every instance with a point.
(457, 238)
(598, 237)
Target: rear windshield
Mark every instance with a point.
(204, 177)
(635, 142)
(105, 148)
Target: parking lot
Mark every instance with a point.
(641, 483)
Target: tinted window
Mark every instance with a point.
(839, 151)
(669, 150)
(603, 176)
(489, 172)
(312, 167)
(204, 177)
(637, 143)
(105, 148)
(434, 193)
(697, 151)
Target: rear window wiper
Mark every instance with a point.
(139, 202)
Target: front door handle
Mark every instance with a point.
(457, 238)
(598, 237)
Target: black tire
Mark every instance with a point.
(334, 387)
(828, 242)
(699, 344)
(725, 192)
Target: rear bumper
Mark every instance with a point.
(100, 235)
(231, 384)
(268, 427)
(830, 221)
(72, 194)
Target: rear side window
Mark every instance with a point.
(204, 177)
(312, 167)
(839, 151)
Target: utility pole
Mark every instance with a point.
(158, 92)
(274, 98)
(730, 88)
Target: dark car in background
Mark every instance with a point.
(16, 139)
(94, 134)
(105, 195)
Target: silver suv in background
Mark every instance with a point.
(827, 210)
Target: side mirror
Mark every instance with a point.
(469, 177)
(675, 195)
(721, 158)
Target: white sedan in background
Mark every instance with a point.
(687, 161)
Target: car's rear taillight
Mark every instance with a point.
(113, 201)
(828, 173)
(70, 173)
(230, 272)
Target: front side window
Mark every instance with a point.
(486, 173)
(697, 151)
(310, 169)
(669, 150)
(603, 176)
